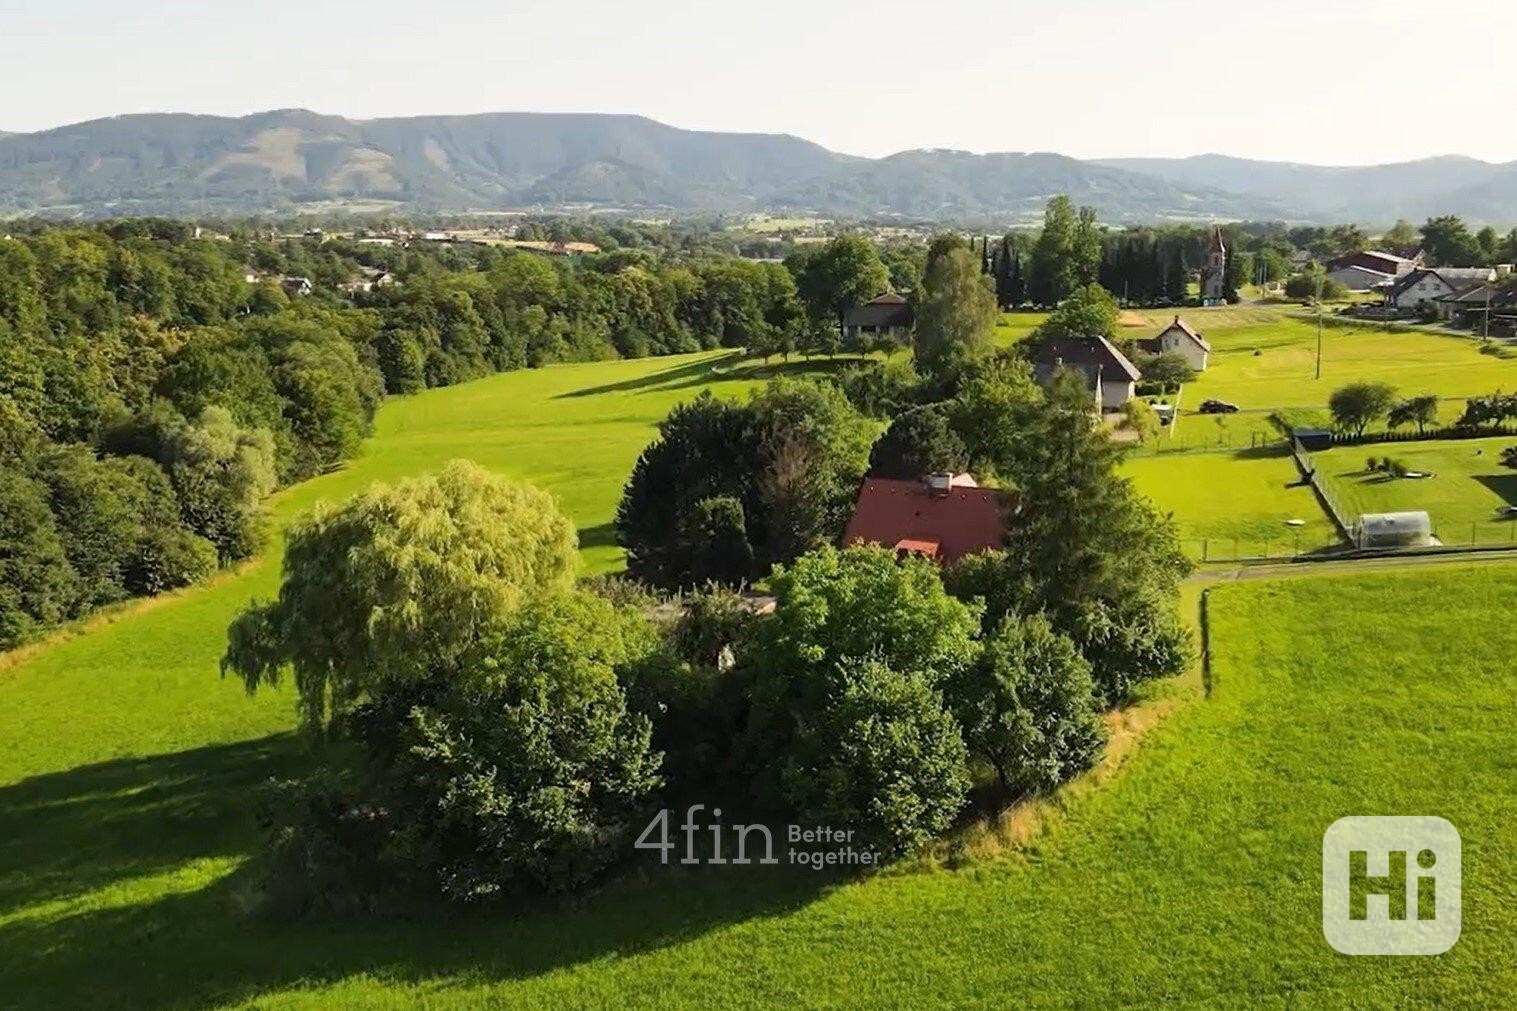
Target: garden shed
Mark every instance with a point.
(1393, 530)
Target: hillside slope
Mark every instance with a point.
(1451, 184)
(274, 161)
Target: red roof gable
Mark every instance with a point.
(909, 516)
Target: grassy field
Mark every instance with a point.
(1233, 504)
(1468, 487)
(1191, 877)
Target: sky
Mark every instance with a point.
(1321, 81)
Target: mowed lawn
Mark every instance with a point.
(1282, 373)
(1230, 504)
(1192, 877)
(1468, 487)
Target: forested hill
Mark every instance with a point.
(272, 161)
(1373, 194)
(276, 161)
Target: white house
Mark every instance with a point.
(1411, 291)
(1110, 377)
(1181, 339)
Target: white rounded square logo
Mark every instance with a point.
(1391, 885)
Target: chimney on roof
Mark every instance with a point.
(938, 483)
(1177, 317)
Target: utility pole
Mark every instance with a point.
(1319, 339)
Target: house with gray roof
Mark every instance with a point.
(886, 317)
(1419, 287)
(1109, 376)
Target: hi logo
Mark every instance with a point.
(1391, 886)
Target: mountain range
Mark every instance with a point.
(286, 160)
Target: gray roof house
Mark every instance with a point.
(888, 315)
(1109, 376)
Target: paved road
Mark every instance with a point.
(1351, 566)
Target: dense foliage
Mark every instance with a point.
(236, 362)
(729, 489)
(396, 585)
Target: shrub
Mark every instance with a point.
(516, 772)
(1026, 706)
(1128, 643)
(717, 536)
(882, 389)
(881, 756)
(836, 608)
(37, 583)
(167, 558)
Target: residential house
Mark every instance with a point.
(1181, 339)
(1412, 291)
(1471, 307)
(886, 317)
(1110, 377)
(296, 285)
(945, 517)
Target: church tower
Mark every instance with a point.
(1214, 274)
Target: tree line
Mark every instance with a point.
(155, 386)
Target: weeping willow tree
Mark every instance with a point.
(397, 584)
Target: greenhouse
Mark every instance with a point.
(1394, 530)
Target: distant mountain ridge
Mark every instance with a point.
(277, 161)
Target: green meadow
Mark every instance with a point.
(1463, 496)
(1234, 504)
(1186, 872)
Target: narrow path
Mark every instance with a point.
(1350, 566)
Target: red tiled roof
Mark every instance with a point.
(908, 516)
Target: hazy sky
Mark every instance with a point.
(1328, 81)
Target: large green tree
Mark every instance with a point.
(956, 313)
(397, 584)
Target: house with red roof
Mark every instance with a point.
(945, 517)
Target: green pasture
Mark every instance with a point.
(1233, 504)
(1191, 877)
(1468, 487)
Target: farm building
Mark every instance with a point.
(886, 316)
(1356, 278)
(1393, 530)
(1377, 260)
(1109, 375)
(1180, 338)
(944, 517)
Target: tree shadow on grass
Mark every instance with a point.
(71, 833)
(602, 535)
(698, 371)
(1504, 485)
(731, 366)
